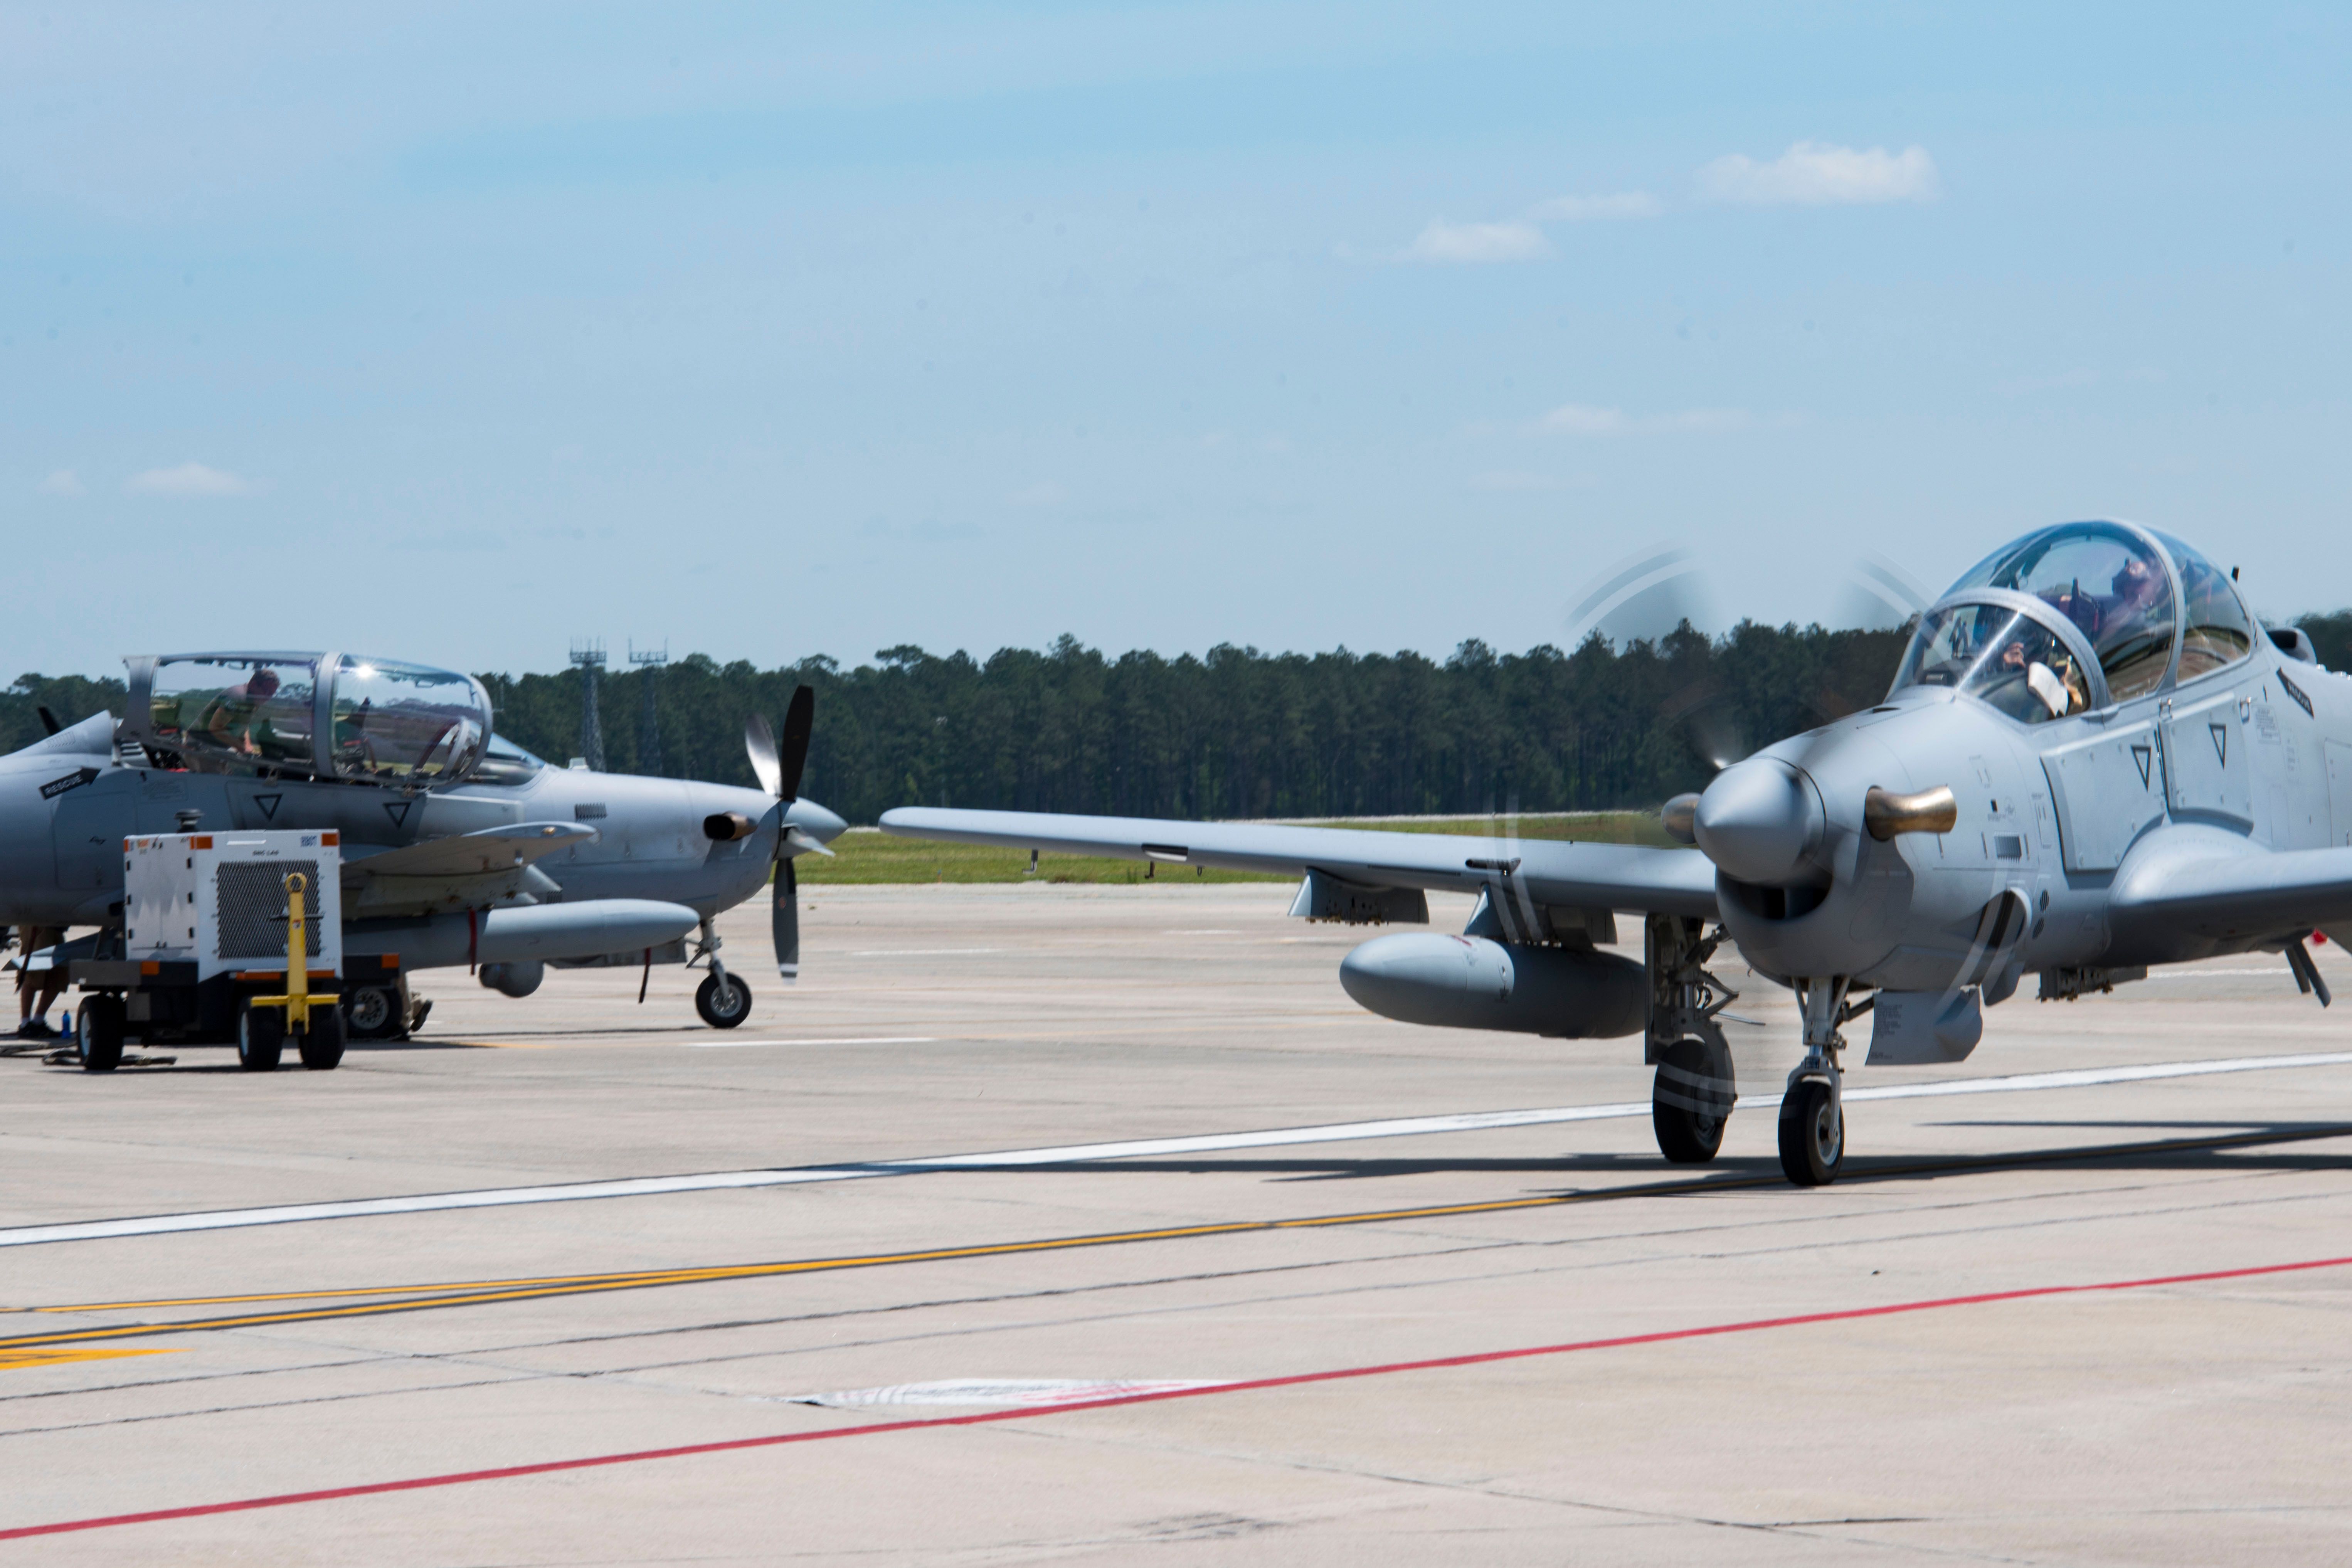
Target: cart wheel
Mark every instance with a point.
(97, 1033)
(260, 1038)
(322, 1043)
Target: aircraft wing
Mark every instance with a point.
(1552, 871)
(466, 870)
(2235, 888)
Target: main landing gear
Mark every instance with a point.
(1692, 1096)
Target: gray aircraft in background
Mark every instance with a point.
(2092, 761)
(457, 847)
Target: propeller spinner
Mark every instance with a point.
(779, 767)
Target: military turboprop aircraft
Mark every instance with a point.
(457, 847)
(2091, 761)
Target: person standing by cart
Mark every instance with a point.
(36, 992)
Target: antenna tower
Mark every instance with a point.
(588, 657)
(651, 661)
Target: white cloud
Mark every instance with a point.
(188, 480)
(64, 482)
(1815, 174)
(1512, 241)
(1585, 419)
(1597, 209)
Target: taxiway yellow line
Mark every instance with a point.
(424, 1297)
(20, 1361)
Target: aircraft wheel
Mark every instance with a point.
(1690, 1102)
(260, 1038)
(322, 1045)
(723, 1008)
(371, 1013)
(97, 1033)
(1812, 1135)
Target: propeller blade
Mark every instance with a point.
(784, 921)
(800, 717)
(799, 842)
(760, 742)
(48, 720)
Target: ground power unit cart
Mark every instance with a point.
(229, 938)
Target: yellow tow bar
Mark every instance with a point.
(296, 1000)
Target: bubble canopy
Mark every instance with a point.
(309, 715)
(2128, 597)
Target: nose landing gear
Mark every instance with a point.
(722, 999)
(1813, 1114)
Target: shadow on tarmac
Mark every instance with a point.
(2219, 1152)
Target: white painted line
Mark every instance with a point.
(844, 1041)
(1000, 1390)
(1078, 1153)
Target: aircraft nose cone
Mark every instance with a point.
(1759, 821)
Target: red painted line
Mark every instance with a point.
(1032, 1413)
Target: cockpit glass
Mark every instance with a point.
(2003, 656)
(504, 763)
(2109, 582)
(2215, 629)
(235, 712)
(403, 722)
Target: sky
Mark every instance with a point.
(458, 334)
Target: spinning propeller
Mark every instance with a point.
(1648, 596)
(778, 768)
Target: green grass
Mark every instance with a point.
(869, 856)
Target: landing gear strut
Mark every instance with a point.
(1691, 1097)
(1812, 1115)
(722, 999)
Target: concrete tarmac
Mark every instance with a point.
(2072, 1321)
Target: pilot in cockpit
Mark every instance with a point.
(2133, 593)
(233, 719)
(2034, 683)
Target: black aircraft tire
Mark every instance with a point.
(1686, 1135)
(1812, 1135)
(322, 1043)
(260, 1038)
(723, 1012)
(98, 1033)
(373, 1012)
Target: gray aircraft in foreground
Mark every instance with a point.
(2092, 761)
(457, 847)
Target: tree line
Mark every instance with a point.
(1234, 733)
